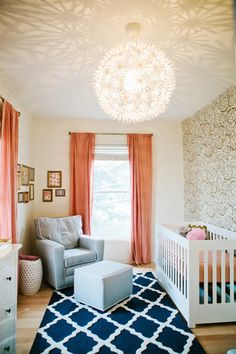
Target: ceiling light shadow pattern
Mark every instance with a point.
(49, 43)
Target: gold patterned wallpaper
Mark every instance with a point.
(209, 146)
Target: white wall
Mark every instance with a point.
(25, 211)
(52, 153)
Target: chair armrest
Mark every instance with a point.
(52, 256)
(93, 244)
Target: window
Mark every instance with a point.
(111, 216)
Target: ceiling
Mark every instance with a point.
(49, 50)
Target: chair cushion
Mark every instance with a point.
(77, 256)
(65, 231)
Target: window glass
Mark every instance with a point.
(111, 216)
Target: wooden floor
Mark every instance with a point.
(215, 339)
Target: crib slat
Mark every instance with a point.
(175, 265)
(231, 267)
(172, 260)
(214, 285)
(182, 269)
(163, 254)
(205, 277)
(178, 266)
(181, 263)
(185, 273)
(160, 251)
(165, 250)
(223, 276)
(168, 257)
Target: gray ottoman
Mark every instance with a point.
(103, 284)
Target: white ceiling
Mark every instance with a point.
(49, 50)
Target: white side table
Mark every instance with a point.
(31, 275)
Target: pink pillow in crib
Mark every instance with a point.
(196, 234)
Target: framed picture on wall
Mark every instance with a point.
(20, 197)
(60, 192)
(24, 175)
(47, 195)
(54, 179)
(31, 174)
(26, 197)
(18, 181)
(31, 191)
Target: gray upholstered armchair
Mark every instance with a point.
(62, 247)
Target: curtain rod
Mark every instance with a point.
(114, 133)
(3, 99)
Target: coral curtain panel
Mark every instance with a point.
(140, 159)
(81, 176)
(8, 171)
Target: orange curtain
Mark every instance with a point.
(140, 158)
(8, 171)
(81, 173)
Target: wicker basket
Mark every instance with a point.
(31, 274)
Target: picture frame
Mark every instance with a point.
(47, 195)
(31, 191)
(18, 168)
(20, 197)
(60, 192)
(24, 175)
(31, 174)
(54, 179)
(18, 181)
(26, 197)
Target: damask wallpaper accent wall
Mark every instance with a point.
(209, 149)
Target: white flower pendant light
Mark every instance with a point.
(134, 81)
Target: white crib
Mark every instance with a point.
(199, 276)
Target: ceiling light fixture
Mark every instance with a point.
(134, 81)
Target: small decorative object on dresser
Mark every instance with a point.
(54, 179)
(8, 299)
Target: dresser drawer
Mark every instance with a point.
(7, 329)
(7, 312)
(8, 346)
(8, 281)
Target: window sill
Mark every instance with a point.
(113, 238)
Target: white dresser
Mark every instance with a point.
(8, 299)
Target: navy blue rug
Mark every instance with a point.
(147, 322)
